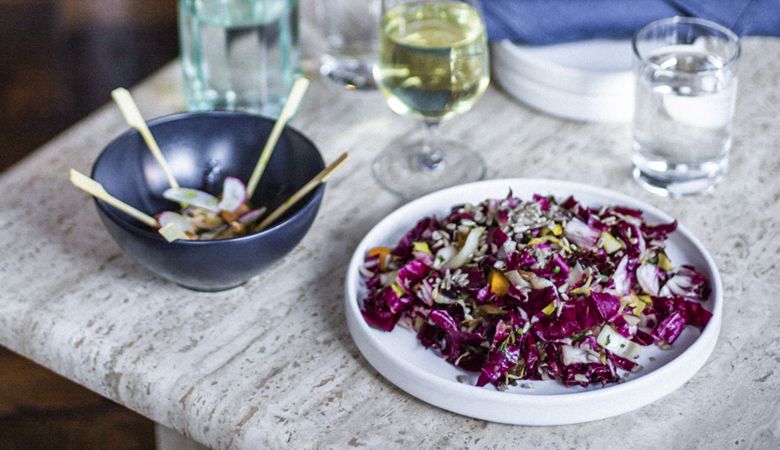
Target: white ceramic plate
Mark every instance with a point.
(587, 80)
(402, 360)
(560, 103)
(594, 67)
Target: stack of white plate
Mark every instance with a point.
(586, 80)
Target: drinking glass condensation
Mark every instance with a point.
(239, 54)
(350, 32)
(685, 92)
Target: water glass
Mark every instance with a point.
(239, 54)
(686, 86)
(350, 32)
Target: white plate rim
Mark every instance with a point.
(702, 347)
(560, 103)
(572, 79)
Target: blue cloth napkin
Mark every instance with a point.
(554, 21)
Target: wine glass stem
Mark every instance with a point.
(429, 157)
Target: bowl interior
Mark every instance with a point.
(202, 149)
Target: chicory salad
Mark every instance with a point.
(535, 290)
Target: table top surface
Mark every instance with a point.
(236, 369)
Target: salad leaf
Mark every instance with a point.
(535, 290)
(582, 234)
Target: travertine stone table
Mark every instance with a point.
(271, 364)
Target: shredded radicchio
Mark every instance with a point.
(535, 290)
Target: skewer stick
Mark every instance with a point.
(171, 233)
(308, 187)
(290, 107)
(96, 189)
(133, 118)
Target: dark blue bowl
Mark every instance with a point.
(202, 149)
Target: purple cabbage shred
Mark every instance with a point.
(531, 301)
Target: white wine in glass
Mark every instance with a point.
(433, 64)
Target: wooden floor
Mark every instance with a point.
(41, 410)
(59, 61)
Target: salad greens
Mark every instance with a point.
(535, 290)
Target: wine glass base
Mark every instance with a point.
(403, 169)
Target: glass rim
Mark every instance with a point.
(730, 35)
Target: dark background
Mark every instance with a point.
(59, 61)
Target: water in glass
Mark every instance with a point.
(239, 54)
(682, 124)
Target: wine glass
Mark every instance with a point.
(433, 64)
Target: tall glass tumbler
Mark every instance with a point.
(350, 29)
(686, 88)
(239, 54)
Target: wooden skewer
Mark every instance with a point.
(290, 107)
(96, 189)
(308, 187)
(172, 233)
(133, 118)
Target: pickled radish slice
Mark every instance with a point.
(233, 194)
(213, 234)
(179, 221)
(192, 197)
(252, 216)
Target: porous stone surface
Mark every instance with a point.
(271, 364)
